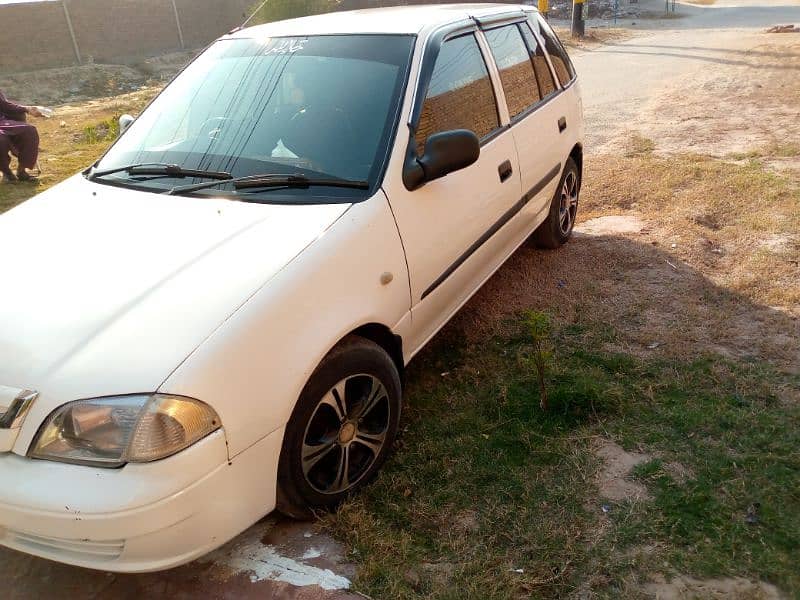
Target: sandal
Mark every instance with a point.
(24, 177)
(9, 177)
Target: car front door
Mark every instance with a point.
(453, 228)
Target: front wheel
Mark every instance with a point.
(557, 228)
(341, 430)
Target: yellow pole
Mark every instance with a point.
(544, 7)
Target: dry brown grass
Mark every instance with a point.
(736, 223)
(64, 148)
(715, 270)
(595, 36)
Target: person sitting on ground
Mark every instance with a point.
(19, 136)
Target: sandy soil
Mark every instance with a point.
(612, 480)
(687, 588)
(54, 87)
(743, 97)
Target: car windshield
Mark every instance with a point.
(321, 107)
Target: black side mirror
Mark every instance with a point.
(445, 152)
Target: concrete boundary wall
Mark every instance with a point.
(59, 33)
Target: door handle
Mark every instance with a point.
(562, 124)
(505, 170)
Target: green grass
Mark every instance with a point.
(104, 131)
(484, 482)
(71, 141)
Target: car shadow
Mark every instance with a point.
(644, 292)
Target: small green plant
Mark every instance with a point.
(105, 130)
(541, 330)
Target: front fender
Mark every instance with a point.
(254, 366)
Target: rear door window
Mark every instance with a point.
(460, 95)
(558, 55)
(515, 67)
(544, 76)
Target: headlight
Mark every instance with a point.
(110, 432)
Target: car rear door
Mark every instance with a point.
(532, 98)
(453, 228)
(566, 103)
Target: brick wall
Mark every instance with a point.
(35, 35)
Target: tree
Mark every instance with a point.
(276, 10)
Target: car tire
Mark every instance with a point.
(557, 228)
(341, 430)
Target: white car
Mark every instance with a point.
(212, 321)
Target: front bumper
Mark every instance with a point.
(143, 517)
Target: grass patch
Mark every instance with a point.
(638, 145)
(72, 140)
(784, 149)
(485, 483)
(773, 150)
(735, 222)
(105, 131)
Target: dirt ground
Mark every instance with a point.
(56, 87)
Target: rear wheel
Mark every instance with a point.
(342, 428)
(557, 228)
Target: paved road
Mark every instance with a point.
(619, 79)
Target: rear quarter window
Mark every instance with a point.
(516, 68)
(544, 76)
(558, 55)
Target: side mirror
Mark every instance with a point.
(125, 121)
(445, 153)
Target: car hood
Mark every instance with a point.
(105, 290)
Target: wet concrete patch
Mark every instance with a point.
(275, 558)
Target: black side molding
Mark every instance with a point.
(507, 216)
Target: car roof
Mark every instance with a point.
(390, 20)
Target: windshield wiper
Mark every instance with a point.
(169, 170)
(273, 181)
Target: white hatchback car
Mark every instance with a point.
(212, 321)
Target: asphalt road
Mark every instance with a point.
(619, 79)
